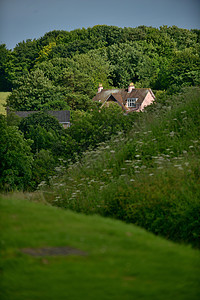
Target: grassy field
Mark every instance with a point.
(122, 261)
(3, 96)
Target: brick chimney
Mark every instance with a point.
(100, 88)
(130, 87)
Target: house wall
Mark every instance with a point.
(129, 109)
(147, 101)
(66, 125)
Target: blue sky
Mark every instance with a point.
(29, 19)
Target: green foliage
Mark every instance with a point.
(60, 83)
(133, 62)
(45, 52)
(96, 66)
(158, 58)
(5, 58)
(80, 101)
(82, 40)
(181, 70)
(79, 76)
(22, 60)
(36, 92)
(96, 127)
(183, 38)
(43, 167)
(124, 59)
(166, 203)
(43, 129)
(50, 144)
(15, 158)
(13, 119)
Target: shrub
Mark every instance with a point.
(15, 158)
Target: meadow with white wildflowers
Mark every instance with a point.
(149, 177)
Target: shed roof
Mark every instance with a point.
(63, 116)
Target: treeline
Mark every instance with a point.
(62, 69)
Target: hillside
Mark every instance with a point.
(118, 261)
(149, 177)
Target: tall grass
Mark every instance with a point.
(149, 177)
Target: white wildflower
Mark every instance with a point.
(143, 167)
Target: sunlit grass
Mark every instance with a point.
(3, 97)
(122, 261)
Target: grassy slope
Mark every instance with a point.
(123, 261)
(149, 178)
(3, 97)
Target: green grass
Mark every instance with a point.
(3, 97)
(123, 261)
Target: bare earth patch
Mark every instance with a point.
(53, 251)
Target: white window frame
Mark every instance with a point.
(131, 102)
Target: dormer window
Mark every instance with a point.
(131, 102)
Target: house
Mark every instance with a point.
(63, 116)
(130, 99)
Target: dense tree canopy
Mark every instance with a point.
(42, 128)
(36, 92)
(5, 64)
(15, 158)
(139, 54)
(62, 70)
